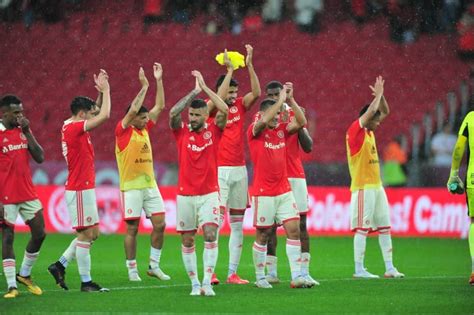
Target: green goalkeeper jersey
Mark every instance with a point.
(467, 130)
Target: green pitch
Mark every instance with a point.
(436, 280)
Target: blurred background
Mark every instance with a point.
(331, 50)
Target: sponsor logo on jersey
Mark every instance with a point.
(269, 145)
(14, 147)
(233, 120)
(197, 148)
(145, 148)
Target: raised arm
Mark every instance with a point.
(377, 91)
(305, 140)
(269, 114)
(221, 119)
(160, 93)
(101, 84)
(34, 147)
(137, 101)
(384, 109)
(251, 97)
(98, 101)
(300, 119)
(224, 87)
(178, 108)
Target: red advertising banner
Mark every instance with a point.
(414, 212)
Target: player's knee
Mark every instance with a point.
(39, 236)
(8, 235)
(210, 235)
(159, 226)
(188, 241)
(132, 230)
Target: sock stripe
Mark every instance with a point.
(188, 250)
(293, 242)
(260, 248)
(235, 220)
(210, 245)
(83, 245)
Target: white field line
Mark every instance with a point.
(164, 286)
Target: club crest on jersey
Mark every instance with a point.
(262, 219)
(207, 135)
(233, 109)
(22, 136)
(129, 211)
(281, 134)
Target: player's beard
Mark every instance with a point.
(196, 126)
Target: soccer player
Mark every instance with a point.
(137, 177)
(232, 171)
(17, 193)
(272, 199)
(369, 205)
(296, 177)
(455, 184)
(80, 185)
(198, 190)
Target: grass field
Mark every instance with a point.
(436, 271)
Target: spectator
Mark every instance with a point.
(403, 21)
(271, 10)
(252, 21)
(215, 21)
(152, 11)
(466, 33)
(394, 167)
(307, 15)
(442, 146)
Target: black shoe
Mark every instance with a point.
(59, 274)
(92, 287)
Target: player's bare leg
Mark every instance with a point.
(32, 252)
(293, 252)
(8, 256)
(385, 242)
(305, 255)
(236, 218)
(259, 251)
(210, 254)
(83, 244)
(272, 259)
(130, 244)
(157, 238)
(188, 252)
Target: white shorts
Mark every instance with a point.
(82, 208)
(269, 210)
(148, 199)
(233, 187)
(300, 192)
(196, 211)
(27, 211)
(369, 210)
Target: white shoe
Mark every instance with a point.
(157, 273)
(310, 280)
(207, 290)
(196, 290)
(263, 284)
(393, 273)
(133, 276)
(365, 275)
(299, 283)
(272, 279)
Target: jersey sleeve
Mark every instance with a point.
(464, 130)
(355, 137)
(178, 133)
(77, 128)
(150, 124)
(240, 103)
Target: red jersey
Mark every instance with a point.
(16, 185)
(294, 166)
(231, 147)
(79, 155)
(197, 158)
(268, 154)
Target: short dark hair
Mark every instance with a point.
(365, 108)
(81, 103)
(142, 109)
(273, 85)
(8, 100)
(233, 82)
(198, 103)
(266, 103)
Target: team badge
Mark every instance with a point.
(233, 109)
(207, 135)
(129, 211)
(181, 223)
(262, 219)
(281, 134)
(89, 219)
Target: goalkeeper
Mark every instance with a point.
(455, 184)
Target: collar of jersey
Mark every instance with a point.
(191, 129)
